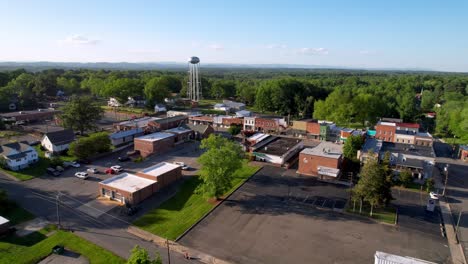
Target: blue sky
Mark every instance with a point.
(370, 34)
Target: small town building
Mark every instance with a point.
(257, 138)
(463, 152)
(182, 134)
(189, 113)
(265, 124)
(232, 121)
(166, 123)
(141, 123)
(18, 155)
(385, 131)
(243, 113)
(201, 131)
(58, 141)
(221, 107)
(159, 108)
(278, 150)
(155, 143)
(136, 101)
(30, 116)
(371, 148)
(128, 188)
(201, 120)
(322, 161)
(125, 137)
(4, 225)
(236, 106)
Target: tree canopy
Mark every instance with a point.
(140, 256)
(81, 113)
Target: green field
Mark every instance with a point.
(386, 215)
(36, 246)
(183, 210)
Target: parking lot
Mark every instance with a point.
(277, 217)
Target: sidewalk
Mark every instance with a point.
(456, 250)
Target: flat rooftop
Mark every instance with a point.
(139, 122)
(159, 169)
(278, 146)
(155, 136)
(178, 130)
(258, 137)
(415, 150)
(372, 144)
(325, 149)
(128, 182)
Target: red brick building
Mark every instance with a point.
(134, 188)
(182, 134)
(385, 131)
(322, 161)
(313, 128)
(155, 143)
(238, 121)
(167, 123)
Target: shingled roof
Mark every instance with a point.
(61, 137)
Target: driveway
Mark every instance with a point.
(264, 222)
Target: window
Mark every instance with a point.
(385, 132)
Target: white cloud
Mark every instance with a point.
(313, 51)
(216, 47)
(276, 46)
(78, 40)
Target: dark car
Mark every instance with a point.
(53, 172)
(124, 158)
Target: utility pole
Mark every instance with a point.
(446, 179)
(458, 222)
(57, 202)
(168, 252)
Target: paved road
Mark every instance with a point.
(108, 230)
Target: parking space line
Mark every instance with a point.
(307, 197)
(324, 202)
(334, 202)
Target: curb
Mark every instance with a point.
(216, 206)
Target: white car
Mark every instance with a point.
(81, 175)
(71, 163)
(92, 170)
(434, 195)
(184, 167)
(117, 168)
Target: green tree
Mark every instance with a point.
(68, 85)
(428, 100)
(405, 178)
(246, 91)
(82, 148)
(122, 88)
(234, 130)
(429, 184)
(81, 113)
(101, 141)
(156, 89)
(351, 146)
(220, 161)
(223, 89)
(140, 256)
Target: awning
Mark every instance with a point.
(327, 171)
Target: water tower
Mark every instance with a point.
(194, 84)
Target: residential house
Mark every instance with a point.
(159, 108)
(323, 161)
(113, 102)
(236, 106)
(136, 101)
(125, 137)
(18, 155)
(58, 141)
(221, 107)
(201, 131)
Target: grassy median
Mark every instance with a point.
(36, 246)
(381, 214)
(183, 210)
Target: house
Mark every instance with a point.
(323, 161)
(201, 131)
(4, 225)
(128, 188)
(243, 113)
(136, 101)
(463, 152)
(126, 136)
(236, 106)
(58, 141)
(30, 116)
(159, 108)
(182, 134)
(277, 150)
(18, 155)
(221, 107)
(113, 102)
(155, 143)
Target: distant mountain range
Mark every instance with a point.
(43, 65)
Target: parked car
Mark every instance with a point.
(72, 164)
(59, 168)
(434, 195)
(58, 249)
(117, 168)
(124, 158)
(109, 171)
(92, 170)
(184, 167)
(53, 172)
(82, 175)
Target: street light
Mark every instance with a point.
(446, 178)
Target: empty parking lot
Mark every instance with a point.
(276, 218)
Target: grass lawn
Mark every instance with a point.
(16, 214)
(386, 215)
(183, 210)
(36, 246)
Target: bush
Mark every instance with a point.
(429, 184)
(86, 147)
(234, 130)
(405, 178)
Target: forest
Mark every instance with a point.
(347, 97)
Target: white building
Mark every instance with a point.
(160, 108)
(18, 155)
(113, 102)
(58, 141)
(127, 136)
(222, 107)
